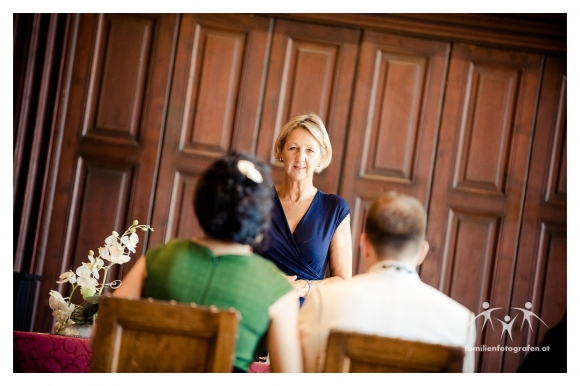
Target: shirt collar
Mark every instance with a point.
(393, 265)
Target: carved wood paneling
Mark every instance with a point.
(556, 188)
(541, 269)
(469, 253)
(486, 127)
(183, 222)
(550, 283)
(498, 149)
(120, 76)
(358, 217)
(311, 70)
(111, 108)
(217, 86)
(213, 89)
(397, 91)
(394, 125)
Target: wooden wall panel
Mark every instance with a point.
(103, 171)
(490, 103)
(183, 222)
(126, 50)
(481, 155)
(469, 253)
(397, 89)
(550, 284)
(541, 270)
(311, 70)
(394, 124)
(213, 90)
(214, 108)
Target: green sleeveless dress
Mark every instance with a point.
(185, 271)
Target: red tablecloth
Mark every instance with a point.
(48, 353)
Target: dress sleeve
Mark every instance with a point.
(341, 209)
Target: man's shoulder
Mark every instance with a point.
(440, 299)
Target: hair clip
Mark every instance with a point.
(248, 169)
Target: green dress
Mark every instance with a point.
(185, 271)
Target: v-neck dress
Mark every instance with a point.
(305, 252)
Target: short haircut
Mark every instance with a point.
(229, 205)
(395, 224)
(313, 123)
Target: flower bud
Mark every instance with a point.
(91, 253)
(115, 234)
(132, 230)
(135, 222)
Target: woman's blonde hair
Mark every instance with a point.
(313, 123)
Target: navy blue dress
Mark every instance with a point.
(305, 252)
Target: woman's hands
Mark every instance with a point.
(300, 286)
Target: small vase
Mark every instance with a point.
(76, 330)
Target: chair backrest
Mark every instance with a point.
(158, 336)
(351, 352)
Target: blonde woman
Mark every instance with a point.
(310, 229)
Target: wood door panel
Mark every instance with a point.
(484, 149)
(183, 222)
(397, 90)
(217, 85)
(541, 269)
(213, 89)
(121, 73)
(470, 252)
(550, 282)
(311, 70)
(101, 201)
(111, 109)
(394, 127)
(490, 98)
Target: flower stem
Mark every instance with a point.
(100, 290)
(74, 287)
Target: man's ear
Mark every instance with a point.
(422, 252)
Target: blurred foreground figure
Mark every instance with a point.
(389, 299)
(233, 204)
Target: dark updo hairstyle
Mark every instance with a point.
(230, 206)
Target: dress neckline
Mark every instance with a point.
(303, 216)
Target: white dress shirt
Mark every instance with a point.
(389, 300)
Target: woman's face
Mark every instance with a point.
(301, 155)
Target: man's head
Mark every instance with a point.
(395, 229)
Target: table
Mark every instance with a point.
(49, 353)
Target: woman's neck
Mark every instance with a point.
(218, 247)
(296, 191)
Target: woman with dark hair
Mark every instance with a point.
(233, 203)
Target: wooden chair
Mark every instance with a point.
(158, 336)
(351, 352)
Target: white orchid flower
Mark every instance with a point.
(112, 239)
(116, 250)
(68, 277)
(130, 241)
(94, 265)
(56, 300)
(62, 314)
(84, 277)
